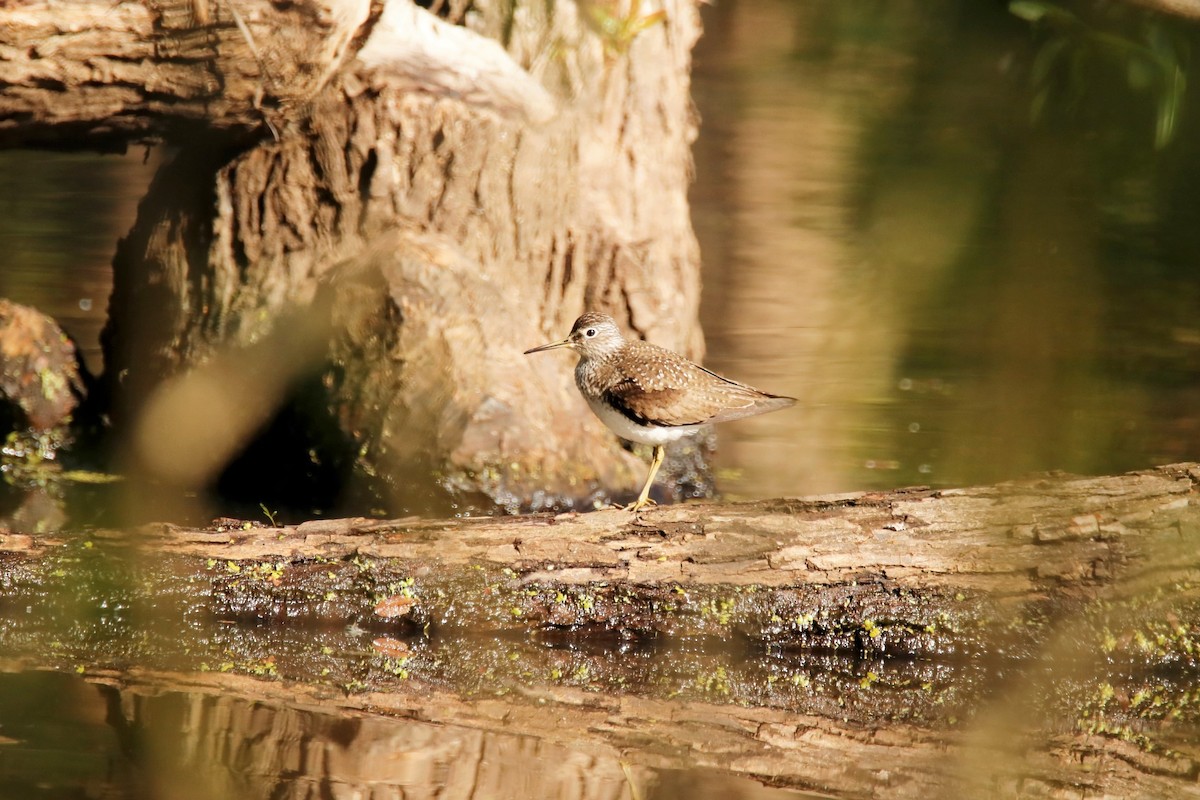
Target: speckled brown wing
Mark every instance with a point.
(660, 387)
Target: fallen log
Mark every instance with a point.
(914, 572)
(1038, 636)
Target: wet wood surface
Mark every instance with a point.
(913, 572)
(1036, 638)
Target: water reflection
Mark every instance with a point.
(60, 217)
(958, 295)
(64, 737)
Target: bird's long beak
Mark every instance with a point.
(551, 346)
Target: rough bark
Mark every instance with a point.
(553, 179)
(81, 74)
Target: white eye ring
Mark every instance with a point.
(590, 332)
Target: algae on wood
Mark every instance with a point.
(1039, 636)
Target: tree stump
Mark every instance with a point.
(479, 178)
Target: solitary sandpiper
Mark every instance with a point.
(650, 395)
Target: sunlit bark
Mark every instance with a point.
(536, 159)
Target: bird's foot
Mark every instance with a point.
(640, 503)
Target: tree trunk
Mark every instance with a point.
(456, 200)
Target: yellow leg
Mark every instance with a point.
(656, 462)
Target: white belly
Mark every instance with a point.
(624, 427)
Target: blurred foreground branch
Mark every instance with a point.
(1188, 9)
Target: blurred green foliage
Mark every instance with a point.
(1077, 56)
(616, 25)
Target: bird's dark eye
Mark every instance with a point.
(590, 332)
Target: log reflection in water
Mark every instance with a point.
(151, 740)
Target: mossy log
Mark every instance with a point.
(1037, 638)
(915, 572)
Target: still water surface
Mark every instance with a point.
(65, 737)
(957, 294)
(196, 736)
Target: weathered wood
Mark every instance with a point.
(85, 74)
(913, 572)
(545, 154)
(919, 572)
(1053, 623)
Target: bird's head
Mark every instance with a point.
(591, 336)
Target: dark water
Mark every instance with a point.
(60, 217)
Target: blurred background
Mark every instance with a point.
(965, 236)
(960, 233)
